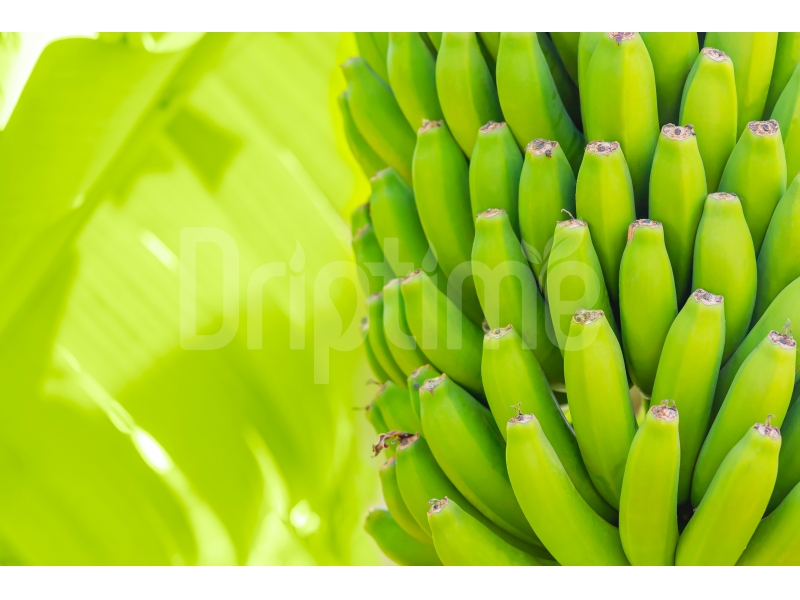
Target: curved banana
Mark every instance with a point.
(775, 542)
(787, 57)
(378, 343)
(402, 345)
(372, 360)
(725, 263)
(513, 378)
(395, 407)
(569, 528)
(396, 543)
(419, 376)
(729, 514)
(466, 90)
(789, 460)
(648, 510)
(412, 74)
(378, 116)
(677, 194)
(756, 172)
(787, 114)
(374, 270)
(546, 188)
(567, 89)
(621, 105)
(397, 507)
(359, 217)
(709, 103)
(373, 46)
(365, 156)
(604, 199)
(673, 54)
(687, 374)
(566, 44)
(587, 43)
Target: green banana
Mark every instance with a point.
(648, 304)
(546, 187)
(569, 528)
(436, 40)
(775, 542)
(508, 292)
(373, 46)
(599, 401)
(677, 194)
(494, 172)
(725, 262)
(687, 374)
(567, 89)
(365, 156)
(587, 43)
(789, 460)
(762, 386)
(673, 54)
(491, 41)
(461, 540)
(621, 105)
(785, 307)
(378, 116)
(395, 407)
(412, 75)
(731, 509)
(709, 103)
(513, 378)
(374, 271)
(452, 343)
(574, 278)
(378, 343)
(419, 376)
(779, 260)
(467, 445)
(566, 43)
(466, 90)
(397, 507)
(359, 217)
(753, 56)
(604, 199)
(396, 543)
(529, 98)
(787, 57)
(756, 172)
(375, 418)
(648, 511)
(787, 113)
(372, 360)
(402, 346)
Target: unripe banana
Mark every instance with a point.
(436, 40)
(452, 343)
(359, 217)
(513, 378)
(677, 194)
(762, 386)
(546, 188)
(567, 89)
(396, 543)
(467, 445)
(599, 401)
(490, 41)
(372, 360)
(508, 292)
(378, 116)
(529, 98)
(466, 90)
(574, 278)
(789, 460)
(731, 509)
(587, 43)
(621, 105)
(374, 270)
(494, 172)
(604, 199)
(569, 528)
(365, 156)
(709, 103)
(775, 542)
(412, 75)
(648, 511)
(377, 340)
(648, 304)
(397, 507)
(756, 172)
(419, 376)
(687, 373)
(402, 346)
(753, 56)
(725, 263)
(785, 307)
(787, 57)
(787, 113)
(672, 54)
(395, 407)
(376, 419)
(566, 44)
(373, 46)
(462, 540)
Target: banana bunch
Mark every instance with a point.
(582, 257)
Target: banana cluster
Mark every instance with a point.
(580, 312)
